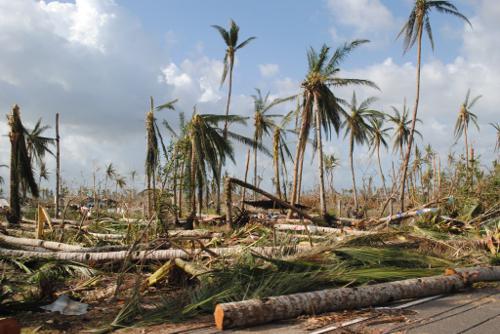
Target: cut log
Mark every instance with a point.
(189, 268)
(163, 254)
(259, 311)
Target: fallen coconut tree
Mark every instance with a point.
(162, 254)
(260, 311)
(318, 229)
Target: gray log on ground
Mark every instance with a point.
(260, 311)
(163, 254)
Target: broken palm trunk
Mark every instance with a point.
(260, 311)
(228, 189)
(162, 254)
(319, 229)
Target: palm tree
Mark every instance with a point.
(37, 144)
(378, 138)
(462, 124)
(21, 169)
(110, 174)
(230, 38)
(281, 152)
(412, 31)
(320, 106)
(152, 151)
(358, 127)
(331, 162)
(401, 128)
(496, 126)
(263, 121)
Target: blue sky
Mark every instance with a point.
(97, 62)
(284, 30)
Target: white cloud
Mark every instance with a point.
(268, 70)
(365, 16)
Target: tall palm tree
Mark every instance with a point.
(358, 127)
(320, 106)
(263, 121)
(378, 138)
(21, 169)
(401, 128)
(413, 30)
(230, 38)
(496, 126)
(153, 135)
(462, 124)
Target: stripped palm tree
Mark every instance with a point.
(378, 138)
(496, 126)
(263, 122)
(153, 136)
(21, 169)
(358, 127)
(230, 38)
(413, 30)
(321, 108)
(462, 125)
(110, 174)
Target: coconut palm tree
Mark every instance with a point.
(331, 162)
(153, 135)
(110, 174)
(463, 119)
(401, 128)
(320, 106)
(281, 152)
(412, 31)
(358, 127)
(496, 126)
(21, 169)
(378, 138)
(230, 38)
(37, 144)
(263, 121)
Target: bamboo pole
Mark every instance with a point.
(259, 311)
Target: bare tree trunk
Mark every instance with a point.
(319, 142)
(276, 163)
(247, 165)
(229, 92)
(351, 161)
(299, 190)
(174, 188)
(58, 167)
(255, 176)
(381, 172)
(181, 186)
(14, 203)
(298, 149)
(413, 121)
(193, 180)
(259, 311)
(228, 195)
(466, 150)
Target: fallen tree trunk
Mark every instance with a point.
(52, 245)
(162, 254)
(319, 229)
(39, 243)
(259, 311)
(272, 197)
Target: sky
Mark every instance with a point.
(96, 62)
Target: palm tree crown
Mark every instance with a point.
(419, 20)
(231, 37)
